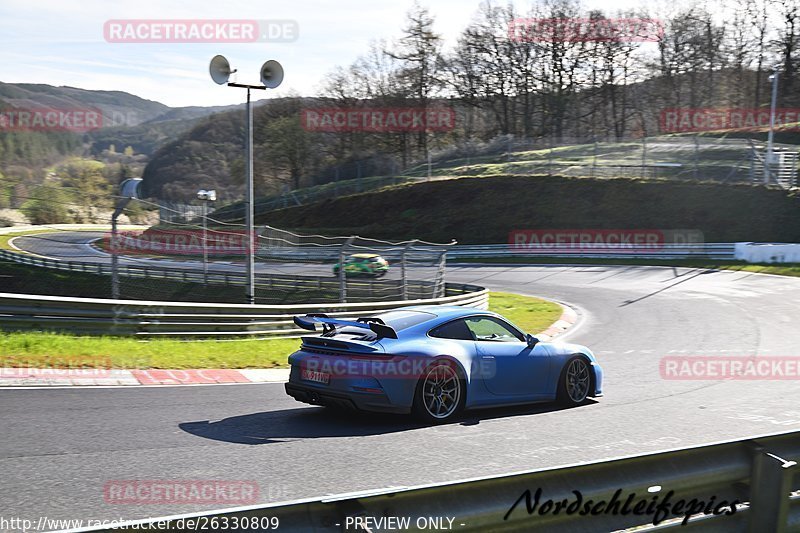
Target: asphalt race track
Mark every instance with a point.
(60, 446)
(76, 246)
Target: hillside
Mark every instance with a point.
(211, 154)
(116, 106)
(128, 120)
(33, 162)
(485, 210)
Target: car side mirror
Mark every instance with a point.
(531, 340)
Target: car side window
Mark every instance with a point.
(456, 330)
(486, 328)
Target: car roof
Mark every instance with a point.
(448, 311)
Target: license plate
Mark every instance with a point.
(313, 375)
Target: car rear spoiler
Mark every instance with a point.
(374, 324)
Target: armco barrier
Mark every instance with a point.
(760, 473)
(387, 289)
(723, 251)
(152, 318)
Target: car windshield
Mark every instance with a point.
(400, 320)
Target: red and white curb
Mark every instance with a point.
(567, 320)
(59, 377)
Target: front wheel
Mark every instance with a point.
(440, 393)
(574, 382)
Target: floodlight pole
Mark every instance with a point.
(271, 77)
(768, 169)
(250, 274)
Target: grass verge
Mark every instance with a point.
(785, 269)
(55, 350)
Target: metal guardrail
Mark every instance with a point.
(759, 473)
(723, 251)
(388, 289)
(665, 251)
(183, 319)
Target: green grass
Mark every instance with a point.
(54, 350)
(531, 314)
(787, 269)
(485, 210)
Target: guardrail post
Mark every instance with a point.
(644, 157)
(342, 274)
(769, 492)
(404, 289)
(439, 284)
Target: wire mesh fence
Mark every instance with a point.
(206, 262)
(177, 212)
(674, 157)
(201, 257)
(364, 269)
(308, 195)
(695, 157)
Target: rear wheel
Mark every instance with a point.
(440, 393)
(575, 381)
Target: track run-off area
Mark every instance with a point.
(61, 446)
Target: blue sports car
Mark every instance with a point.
(435, 361)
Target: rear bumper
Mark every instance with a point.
(361, 401)
(598, 380)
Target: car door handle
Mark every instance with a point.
(487, 357)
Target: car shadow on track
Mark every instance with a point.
(314, 422)
(472, 418)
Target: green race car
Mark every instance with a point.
(363, 265)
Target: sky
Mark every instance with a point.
(62, 42)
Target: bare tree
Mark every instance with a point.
(419, 54)
(758, 15)
(788, 42)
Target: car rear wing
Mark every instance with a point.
(376, 325)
